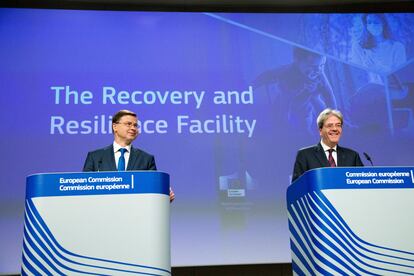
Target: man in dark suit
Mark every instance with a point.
(121, 155)
(327, 153)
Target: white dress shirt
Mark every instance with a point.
(117, 153)
(334, 153)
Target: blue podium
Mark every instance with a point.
(99, 223)
(352, 221)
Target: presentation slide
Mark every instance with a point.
(224, 102)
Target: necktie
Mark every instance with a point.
(331, 160)
(121, 160)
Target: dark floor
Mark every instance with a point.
(236, 270)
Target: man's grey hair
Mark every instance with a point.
(324, 115)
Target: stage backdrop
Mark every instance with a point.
(224, 102)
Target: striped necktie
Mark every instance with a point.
(331, 160)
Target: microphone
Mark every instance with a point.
(99, 164)
(368, 158)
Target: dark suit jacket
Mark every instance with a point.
(104, 160)
(314, 157)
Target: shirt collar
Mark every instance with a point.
(326, 148)
(117, 147)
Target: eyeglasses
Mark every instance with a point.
(332, 126)
(128, 124)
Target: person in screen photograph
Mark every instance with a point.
(376, 48)
(299, 89)
(380, 53)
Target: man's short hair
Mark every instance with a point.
(122, 113)
(324, 115)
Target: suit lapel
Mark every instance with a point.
(321, 156)
(110, 158)
(341, 156)
(133, 156)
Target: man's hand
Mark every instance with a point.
(172, 195)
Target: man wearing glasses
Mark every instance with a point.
(121, 155)
(327, 153)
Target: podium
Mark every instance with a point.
(352, 221)
(98, 223)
